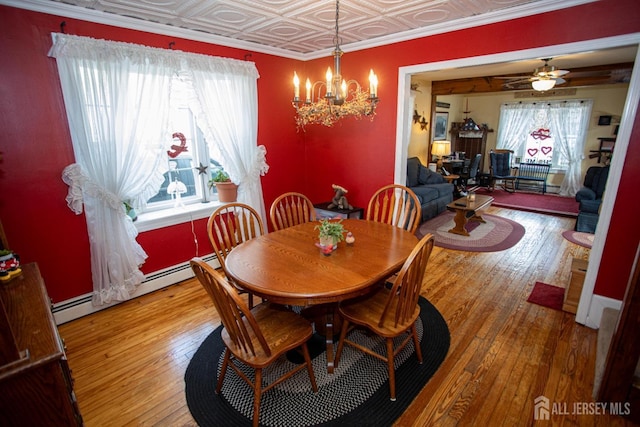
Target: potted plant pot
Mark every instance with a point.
(227, 191)
(330, 233)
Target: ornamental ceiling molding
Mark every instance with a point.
(373, 23)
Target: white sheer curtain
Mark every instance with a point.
(515, 123)
(114, 94)
(569, 125)
(231, 127)
(117, 97)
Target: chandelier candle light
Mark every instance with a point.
(341, 98)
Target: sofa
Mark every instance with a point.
(590, 198)
(433, 192)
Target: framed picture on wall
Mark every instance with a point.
(440, 127)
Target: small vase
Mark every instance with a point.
(327, 245)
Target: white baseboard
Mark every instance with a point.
(599, 303)
(77, 307)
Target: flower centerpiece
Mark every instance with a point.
(227, 190)
(329, 234)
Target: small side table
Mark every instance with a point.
(323, 212)
(451, 177)
(574, 290)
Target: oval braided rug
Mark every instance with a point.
(357, 393)
(497, 234)
(579, 238)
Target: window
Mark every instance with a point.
(544, 132)
(117, 100)
(184, 169)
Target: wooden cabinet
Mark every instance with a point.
(471, 142)
(36, 387)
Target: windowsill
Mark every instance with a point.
(164, 218)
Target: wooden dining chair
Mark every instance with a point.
(396, 205)
(390, 313)
(230, 225)
(254, 337)
(291, 209)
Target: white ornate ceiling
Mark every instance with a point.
(302, 28)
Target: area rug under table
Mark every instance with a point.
(357, 393)
(496, 234)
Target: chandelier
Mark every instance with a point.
(328, 101)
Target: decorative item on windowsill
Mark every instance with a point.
(339, 199)
(130, 211)
(227, 190)
(202, 172)
(341, 98)
(9, 265)
(329, 234)
(177, 188)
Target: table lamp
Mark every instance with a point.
(440, 149)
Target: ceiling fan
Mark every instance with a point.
(543, 78)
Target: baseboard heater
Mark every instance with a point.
(75, 308)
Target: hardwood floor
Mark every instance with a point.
(129, 361)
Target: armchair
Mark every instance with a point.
(590, 198)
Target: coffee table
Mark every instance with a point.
(467, 210)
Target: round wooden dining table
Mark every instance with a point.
(286, 266)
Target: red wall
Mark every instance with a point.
(360, 155)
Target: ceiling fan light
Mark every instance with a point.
(543, 84)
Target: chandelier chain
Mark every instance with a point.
(337, 36)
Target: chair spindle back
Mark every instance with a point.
(234, 313)
(404, 295)
(291, 209)
(396, 205)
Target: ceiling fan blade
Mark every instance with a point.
(560, 81)
(557, 73)
(515, 82)
(577, 74)
(511, 77)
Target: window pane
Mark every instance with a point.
(538, 150)
(181, 169)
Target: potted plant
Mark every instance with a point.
(227, 190)
(130, 211)
(330, 233)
